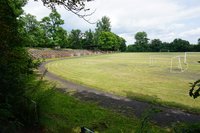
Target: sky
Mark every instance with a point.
(160, 19)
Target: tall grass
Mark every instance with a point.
(62, 113)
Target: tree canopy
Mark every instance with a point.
(16, 68)
(108, 41)
(49, 33)
(75, 39)
(142, 44)
(155, 45)
(180, 45)
(53, 30)
(141, 38)
(88, 40)
(103, 25)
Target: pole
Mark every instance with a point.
(185, 59)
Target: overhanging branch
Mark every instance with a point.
(74, 6)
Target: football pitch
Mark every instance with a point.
(155, 77)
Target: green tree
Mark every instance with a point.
(75, 39)
(141, 38)
(179, 45)
(55, 20)
(16, 67)
(105, 39)
(198, 41)
(61, 38)
(31, 30)
(130, 48)
(52, 26)
(196, 48)
(141, 42)
(88, 40)
(108, 41)
(165, 47)
(122, 47)
(136, 48)
(155, 45)
(47, 36)
(103, 25)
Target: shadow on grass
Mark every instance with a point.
(119, 105)
(142, 97)
(154, 100)
(164, 116)
(63, 113)
(170, 113)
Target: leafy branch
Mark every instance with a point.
(195, 90)
(74, 6)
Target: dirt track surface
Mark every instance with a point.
(129, 107)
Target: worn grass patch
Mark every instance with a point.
(130, 74)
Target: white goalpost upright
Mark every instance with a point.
(151, 61)
(181, 66)
(185, 57)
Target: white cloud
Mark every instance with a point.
(164, 19)
(191, 32)
(37, 9)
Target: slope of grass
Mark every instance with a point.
(129, 74)
(61, 113)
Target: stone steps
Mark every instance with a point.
(49, 53)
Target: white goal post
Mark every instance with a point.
(181, 64)
(185, 57)
(177, 64)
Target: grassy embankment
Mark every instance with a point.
(61, 113)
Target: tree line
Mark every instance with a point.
(143, 44)
(49, 33)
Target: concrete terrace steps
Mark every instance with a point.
(50, 53)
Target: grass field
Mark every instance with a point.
(131, 75)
